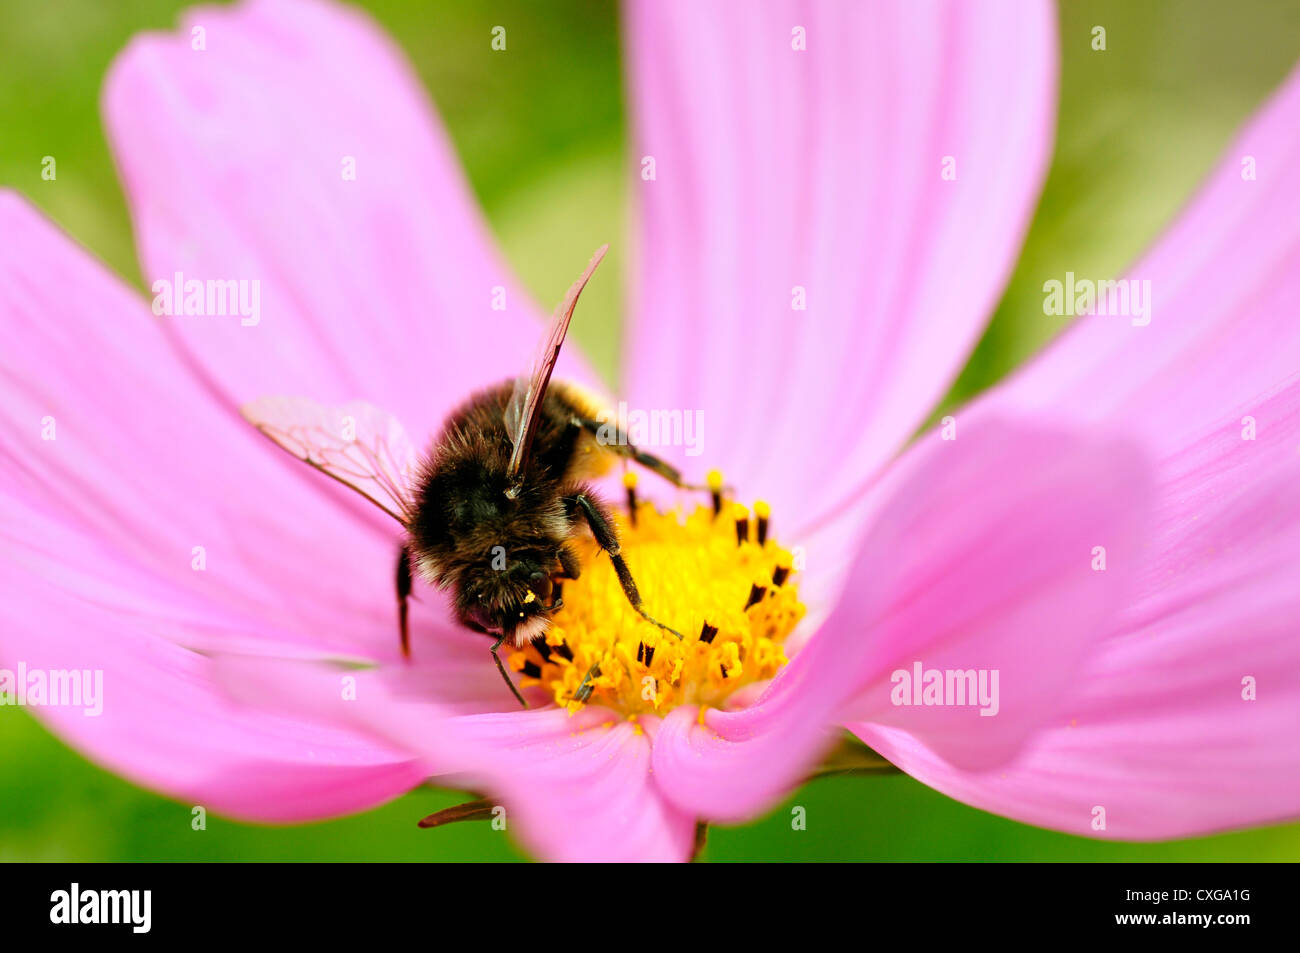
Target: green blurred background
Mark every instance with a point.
(541, 131)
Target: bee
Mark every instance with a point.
(491, 511)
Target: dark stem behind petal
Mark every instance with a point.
(479, 810)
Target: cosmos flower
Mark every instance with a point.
(1112, 530)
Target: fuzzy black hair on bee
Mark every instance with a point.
(491, 512)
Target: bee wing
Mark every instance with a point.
(357, 444)
(524, 410)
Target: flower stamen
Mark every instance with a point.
(714, 478)
(742, 524)
(695, 572)
(763, 513)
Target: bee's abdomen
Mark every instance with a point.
(578, 401)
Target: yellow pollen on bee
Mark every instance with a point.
(695, 575)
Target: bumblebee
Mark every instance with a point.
(491, 510)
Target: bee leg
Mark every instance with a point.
(607, 539)
(502, 669)
(570, 567)
(404, 593)
(585, 688)
(624, 448)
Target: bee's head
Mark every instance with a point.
(514, 600)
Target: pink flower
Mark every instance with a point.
(1163, 690)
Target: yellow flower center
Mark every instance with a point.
(713, 575)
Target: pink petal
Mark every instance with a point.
(97, 533)
(578, 792)
(165, 725)
(138, 476)
(574, 788)
(980, 556)
(1162, 737)
(1225, 284)
(821, 168)
(233, 157)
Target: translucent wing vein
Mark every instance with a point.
(357, 444)
(524, 410)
